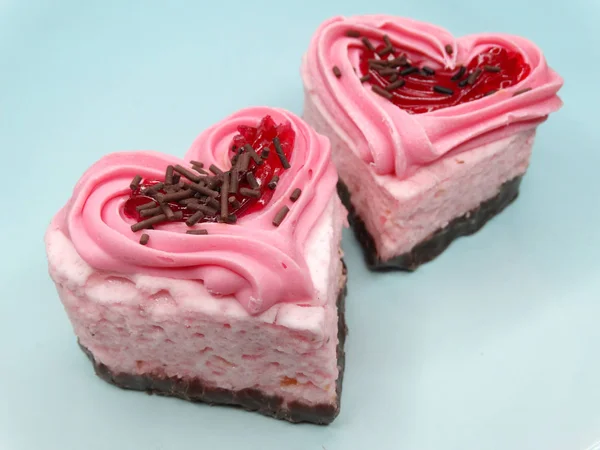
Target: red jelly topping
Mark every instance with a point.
(136, 199)
(497, 68)
(268, 170)
(261, 138)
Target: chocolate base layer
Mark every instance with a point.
(434, 245)
(196, 390)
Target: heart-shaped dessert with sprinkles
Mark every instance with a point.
(406, 93)
(233, 214)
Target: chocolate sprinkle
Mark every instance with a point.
(367, 43)
(254, 193)
(449, 49)
(458, 75)
(473, 77)
(233, 185)
(148, 205)
(378, 63)
(395, 85)
(364, 78)
(243, 162)
(231, 218)
(151, 212)
(385, 51)
(379, 90)
(493, 91)
(264, 154)
(199, 169)
(521, 91)
(194, 218)
(169, 175)
(393, 78)
(234, 202)
(252, 180)
(135, 183)
(442, 90)
(167, 211)
(284, 162)
(353, 33)
(296, 194)
(152, 190)
(197, 232)
(428, 70)
(186, 173)
(409, 71)
(144, 239)
(176, 196)
(202, 189)
(463, 83)
(491, 68)
(280, 215)
(214, 169)
(214, 182)
(213, 203)
(273, 183)
(169, 189)
(253, 154)
(197, 163)
(148, 222)
(397, 62)
(337, 72)
(224, 192)
(385, 71)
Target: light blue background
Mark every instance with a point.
(494, 346)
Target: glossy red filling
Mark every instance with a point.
(499, 69)
(260, 138)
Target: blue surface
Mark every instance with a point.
(494, 346)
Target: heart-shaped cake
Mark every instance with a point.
(216, 277)
(431, 134)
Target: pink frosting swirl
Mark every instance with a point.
(257, 262)
(396, 142)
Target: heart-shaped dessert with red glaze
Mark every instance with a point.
(402, 93)
(234, 214)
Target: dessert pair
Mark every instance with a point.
(219, 277)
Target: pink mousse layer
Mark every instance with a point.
(140, 324)
(399, 214)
